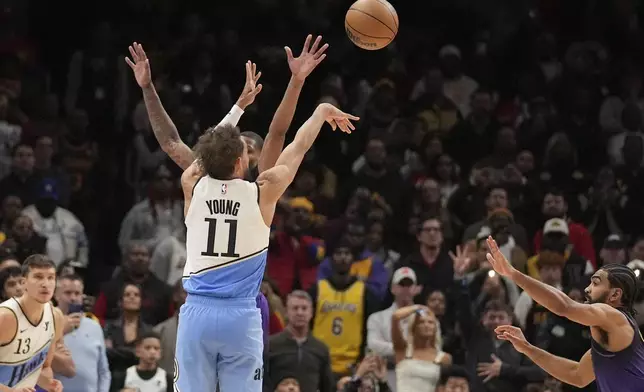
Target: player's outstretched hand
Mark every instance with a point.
(251, 88)
(140, 65)
(337, 118)
(302, 65)
(513, 335)
(500, 264)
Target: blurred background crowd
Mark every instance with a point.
(517, 119)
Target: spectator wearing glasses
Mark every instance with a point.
(430, 262)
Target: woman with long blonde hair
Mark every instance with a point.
(418, 357)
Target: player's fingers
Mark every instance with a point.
(321, 51)
(129, 62)
(145, 55)
(133, 53)
(289, 53)
(253, 69)
(320, 59)
(248, 73)
(307, 43)
(351, 117)
(257, 90)
(316, 43)
(351, 126)
(490, 259)
(334, 126)
(259, 75)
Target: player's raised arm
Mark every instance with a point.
(164, 129)
(300, 67)
(574, 373)
(274, 182)
(598, 315)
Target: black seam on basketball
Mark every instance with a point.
(366, 35)
(389, 8)
(383, 23)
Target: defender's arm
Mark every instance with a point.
(300, 67)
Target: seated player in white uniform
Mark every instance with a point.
(30, 328)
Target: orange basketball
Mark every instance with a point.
(371, 24)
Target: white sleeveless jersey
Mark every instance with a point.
(226, 240)
(21, 360)
(158, 383)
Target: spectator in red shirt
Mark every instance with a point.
(293, 254)
(555, 206)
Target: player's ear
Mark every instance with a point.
(616, 294)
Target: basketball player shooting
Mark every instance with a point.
(228, 225)
(616, 357)
(30, 328)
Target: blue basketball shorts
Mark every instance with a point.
(219, 341)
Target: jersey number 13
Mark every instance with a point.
(212, 234)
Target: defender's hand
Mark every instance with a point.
(251, 88)
(140, 65)
(302, 65)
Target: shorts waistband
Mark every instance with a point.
(206, 300)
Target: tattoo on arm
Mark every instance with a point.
(165, 131)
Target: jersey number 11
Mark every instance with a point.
(212, 232)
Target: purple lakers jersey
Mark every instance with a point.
(622, 371)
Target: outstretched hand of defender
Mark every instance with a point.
(500, 264)
(140, 65)
(251, 88)
(513, 335)
(337, 118)
(302, 65)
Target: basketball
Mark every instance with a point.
(371, 24)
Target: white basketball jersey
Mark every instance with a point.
(226, 241)
(22, 359)
(158, 382)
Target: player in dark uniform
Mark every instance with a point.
(616, 357)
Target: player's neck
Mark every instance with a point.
(143, 366)
(32, 308)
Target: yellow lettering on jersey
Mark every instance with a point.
(339, 319)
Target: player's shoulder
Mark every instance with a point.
(7, 314)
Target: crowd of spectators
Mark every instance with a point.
(522, 121)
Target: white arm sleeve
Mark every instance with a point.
(233, 116)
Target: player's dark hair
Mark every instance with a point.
(622, 277)
(147, 335)
(37, 261)
(259, 141)
(453, 371)
(217, 151)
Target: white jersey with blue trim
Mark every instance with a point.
(226, 241)
(21, 360)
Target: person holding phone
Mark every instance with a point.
(84, 339)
